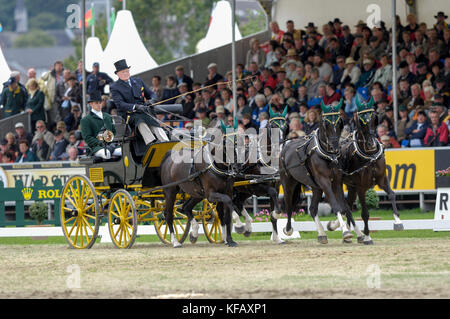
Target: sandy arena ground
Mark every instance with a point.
(392, 268)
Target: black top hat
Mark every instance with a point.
(121, 65)
(441, 14)
(311, 25)
(337, 21)
(95, 96)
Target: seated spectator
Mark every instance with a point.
(255, 54)
(261, 106)
(325, 69)
(40, 148)
(242, 107)
(351, 73)
(387, 143)
(270, 56)
(156, 87)
(170, 91)
(12, 145)
(7, 158)
(60, 146)
(73, 154)
(21, 134)
(428, 93)
(405, 73)
(225, 94)
(383, 131)
(404, 93)
(312, 85)
(338, 71)
(61, 126)
(302, 110)
(415, 134)
(437, 132)
(213, 77)
(267, 79)
(248, 123)
(49, 138)
(302, 95)
(25, 154)
(201, 115)
(311, 121)
(295, 128)
(263, 120)
(331, 94)
(72, 96)
(368, 73)
(72, 120)
(403, 123)
(181, 77)
(350, 106)
(441, 110)
(384, 73)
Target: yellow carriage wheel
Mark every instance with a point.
(211, 223)
(79, 212)
(122, 219)
(180, 223)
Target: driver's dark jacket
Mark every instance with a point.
(91, 125)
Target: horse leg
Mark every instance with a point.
(187, 210)
(170, 195)
(289, 190)
(227, 221)
(335, 202)
(365, 216)
(351, 197)
(384, 185)
(238, 206)
(313, 208)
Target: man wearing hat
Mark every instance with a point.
(22, 134)
(441, 17)
(351, 73)
(130, 95)
(97, 80)
(13, 98)
(213, 77)
(96, 122)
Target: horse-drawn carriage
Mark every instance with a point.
(124, 192)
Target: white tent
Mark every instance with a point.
(5, 72)
(94, 52)
(125, 43)
(220, 31)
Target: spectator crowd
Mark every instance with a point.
(297, 68)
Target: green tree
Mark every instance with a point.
(46, 21)
(256, 23)
(35, 38)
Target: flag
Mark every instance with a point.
(112, 19)
(89, 18)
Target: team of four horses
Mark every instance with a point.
(322, 162)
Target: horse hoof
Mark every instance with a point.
(176, 245)
(239, 229)
(247, 233)
(322, 239)
(288, 232)
(360, 239)
(369, 242)
(347, 235)
(398, 227)
(232, 244)
(192, 238)
(346, 241)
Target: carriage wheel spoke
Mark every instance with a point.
(71, 201)
(69, 220)
(86, 223)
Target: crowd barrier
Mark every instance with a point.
(410, 171)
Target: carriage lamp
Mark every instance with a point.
(106, 136)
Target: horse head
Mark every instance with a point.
(366, 123)
(330, 127)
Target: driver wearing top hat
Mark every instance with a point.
(94, 123)
(130, 95)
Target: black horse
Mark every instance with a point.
(201, 179)
(277, 123)
(314, 161)
(364, 166)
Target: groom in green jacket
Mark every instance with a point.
(97, 122)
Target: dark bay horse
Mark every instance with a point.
(272, 137)
(314, 161)
(205, 179)
(364, 166)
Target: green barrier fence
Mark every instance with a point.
(20, 194)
